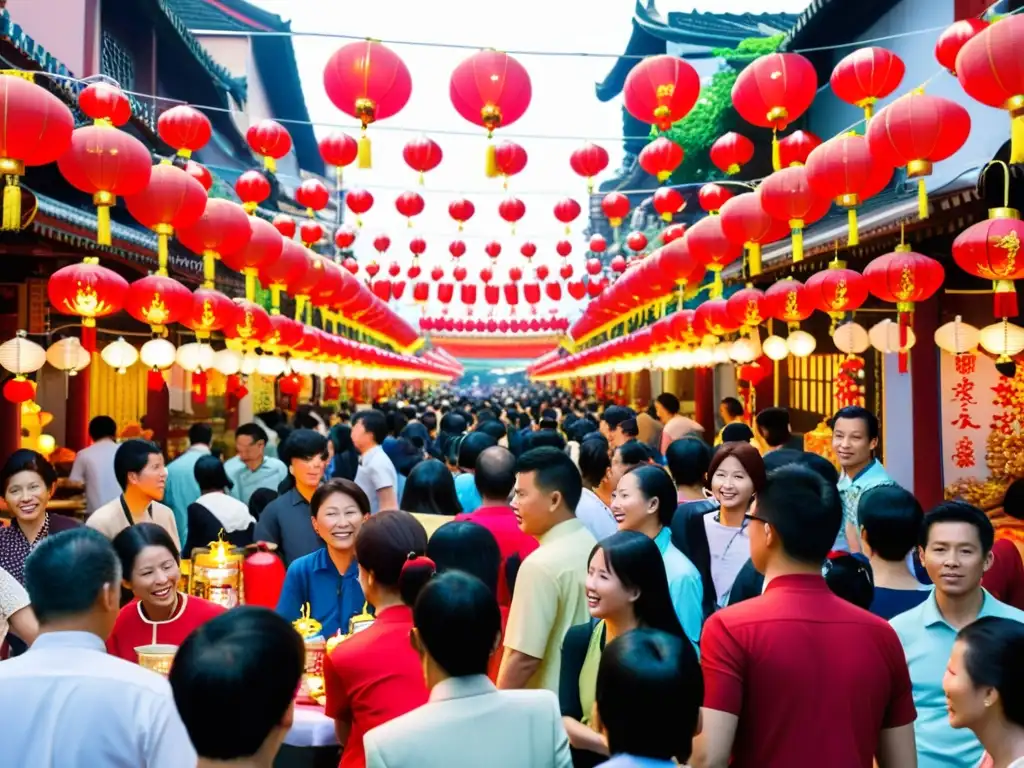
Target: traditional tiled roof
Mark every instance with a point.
(833, 22)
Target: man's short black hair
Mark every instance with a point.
(254, 431)
(458, 621)
(688, 460)
(959, 512)
(614, 415)
(132, 456)
(453, 423)
(200, 434)
(629, 427)
(544, 438)
(101, 427)
(495, 475)
(472, 446)
(858, 412)
(783, 456)
(669, 402)
(891, 518)
(246, 662)
(594, 460)
(633, 453)
(553, 471)
(774, 425)
(396, 422)
(737, 432)
(303, 444)
(66, 572)
(429, 420)
(374, 422)
(803, 509)
(662, 671)
(733, 407)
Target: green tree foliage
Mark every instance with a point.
(713, 114)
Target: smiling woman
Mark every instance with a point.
(158, 613)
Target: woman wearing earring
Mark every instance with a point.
(983, 690)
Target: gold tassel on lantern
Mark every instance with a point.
(12, 170)
(103, 201)
(300, 308)
(270, 164)
(491, 161)
(854, 236)
(365, 151)
(250, 284)
(922, 199)
(776, 152)
(209, 268)
(1016, 107)
(163, 233)
(754, 258)
(275, 300)
(796, 227)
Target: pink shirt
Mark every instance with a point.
(501, 521)
(676, 428)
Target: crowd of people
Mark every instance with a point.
(553, 582)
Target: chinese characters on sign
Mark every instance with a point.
(963, 396)
(968, 414)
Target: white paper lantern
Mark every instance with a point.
(120, 355)
(227, 361)
(720, 354)
(157, 354)
(270, 365)
(885, 337)
(250, 362)
(21, 356)
(775, 348)
(332, 369)
(68, 355)
(800, 343)
(957, 337)
(851, 338)
(703, 357)
(745, 350)
(306, 367)
(1004, 339)
(195, 357)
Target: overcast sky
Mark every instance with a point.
(563, 104)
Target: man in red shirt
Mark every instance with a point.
(798, 676)
(495, 478)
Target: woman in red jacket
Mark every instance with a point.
(159, 613)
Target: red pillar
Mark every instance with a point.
(158, 414)
(924, 385)
(76, 412)
(704, 400)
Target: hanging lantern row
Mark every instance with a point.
(491, 326)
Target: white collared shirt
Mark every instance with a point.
(67, 702)
(94, 466)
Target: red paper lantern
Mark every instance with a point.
(528, 249)
(588, 161)
(509, 159)
(512, 209)
(210, 311)
(616, 207)
(359, 201)
(668, 202)
(594, 289)
(788, 301)
(904, 278)
(565, 271)
(842, 170)
(351, 265)
(87, 290)
(104, 101)
(787, 195)
(437, 273)
(563, 248)
(37, 131)
(420, 294)
(618, 264)
(660, 158)
(493, 249)
(171, 200)
(456, 248)
(989, 250)
(542, 272)
(867, 75)
(710, 247)
(661, 90)
(368, 81)
(414, 271)
(409, 204)
(731, 152)
(712, 197)
(597, 244)
(515, 274)
(270, 140)
(417, 246)
(340, 150)
(344, 237)
(953, 38)
(461, 210)
(382, 290)
(381, 243)
(106, 162)
(222, 228)
(486, 275)
(310, 233)
(566, 211)
(552, 290)
(917, 130)
(511, 292)
(278, 274)
(773, 91)
(284, 224)
(252, 189)
(185, 128)
(746, 308)
(746, 223)
(795, 148)
(199, 173)
(313, 195)
(158, 301)
(837, 290)
(372, 269)
(459, 274)
(672, 232)
(467, 293)
(594, 267)
(636, 241)
(263, 246)
(422, 154)
(445, 292)
(713, 317)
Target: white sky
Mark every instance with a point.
(563, 103)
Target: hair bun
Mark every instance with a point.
(413, 560)
(416, 571)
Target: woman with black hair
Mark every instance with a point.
(215, 511)
(849, 576)
(27, 481)
(346, 457)
(645, 501)
(429, 495)
(375, 675)
(983, 688)
(626, 588)
(158, 613)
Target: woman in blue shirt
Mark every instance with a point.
(328, 579)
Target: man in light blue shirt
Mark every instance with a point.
(470, 448)
(956, 550)
(182, 488)
(251, 468)
(854, 440)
